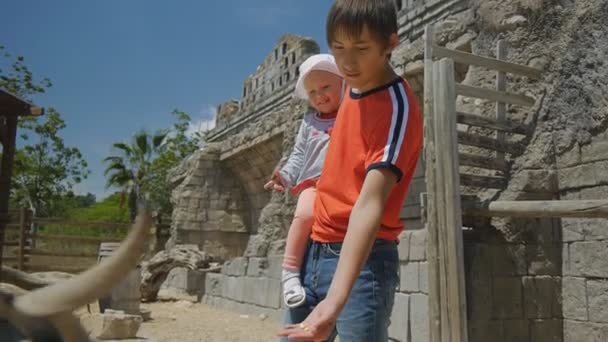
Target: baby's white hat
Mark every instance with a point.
(322, 61)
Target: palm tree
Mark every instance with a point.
(129, 170)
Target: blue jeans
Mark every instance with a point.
(366, 316)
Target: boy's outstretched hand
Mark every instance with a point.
(275, 183)
(318, 326)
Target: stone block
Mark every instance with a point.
(589, 258)
(586, 175)
(579, 229)
(597, 294)
(264, 292)
(424, 277)
(214, 284)
(541, 296)
(418, 245)
(485, 330)
(400, 318)
(544, 259)
(275, 267)
(114, 325)
(410, 277)
(186, 279)
(574, 297)
(257, 267)
(404, 246)
(507, 298)
(419, 317)
(234, 288)
(509, 259)
(479, 298)
(236, 267)
(546, 330)
(516, 330)
(575, 331)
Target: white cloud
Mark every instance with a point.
(205, 121)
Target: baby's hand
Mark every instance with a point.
(272, 185)
(275, 183)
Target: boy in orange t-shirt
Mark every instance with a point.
(351, 270)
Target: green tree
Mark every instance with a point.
(179, 145)
(45, 168)
(130, 169)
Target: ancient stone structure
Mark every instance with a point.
(527, 279)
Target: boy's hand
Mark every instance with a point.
(318, 326)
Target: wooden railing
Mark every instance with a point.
(443, 201)
(445, 207)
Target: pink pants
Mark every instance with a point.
(299, 231)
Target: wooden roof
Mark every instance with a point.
(12, 105)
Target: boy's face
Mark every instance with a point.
(362, 60)
(324, 90)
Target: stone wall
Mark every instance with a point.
(270, 88)
(210, 206)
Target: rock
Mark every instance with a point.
(145, 314)
(184, 304)
(512, 22)
(262, 317)
(244, 316)
(155, 271)
(112, 324)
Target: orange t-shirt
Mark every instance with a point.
(380, 128)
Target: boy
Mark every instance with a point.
(322, 85)
(351, 271)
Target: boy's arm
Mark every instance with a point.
(363, 225)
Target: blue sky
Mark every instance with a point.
(118, 66)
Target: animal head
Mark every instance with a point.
(45, 314)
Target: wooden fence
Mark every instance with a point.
(33, 244)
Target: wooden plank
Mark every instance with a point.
(22, 237)
(431, 217)
(11, 258)
(11, 243)
(501, 85)
(493, 95)
(490, 123)
(84, 239)
(59, 254)
(58, 221)
(450, 216)
(489, 63)
(539, 209)
(439, 104)
(6, 170)
(483, 181)
(488, 143)
(467, 159)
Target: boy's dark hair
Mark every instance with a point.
(350, 16)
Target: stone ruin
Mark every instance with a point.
(527, 279)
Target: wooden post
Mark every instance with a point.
(6, 169)
(501, 85)
(431, 217)
(448, 206)
(22, 233)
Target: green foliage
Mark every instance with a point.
(45, 169)
(129, 169)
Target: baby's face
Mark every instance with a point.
(324, 90)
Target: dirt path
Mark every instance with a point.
(178, 317)
(185, 321)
